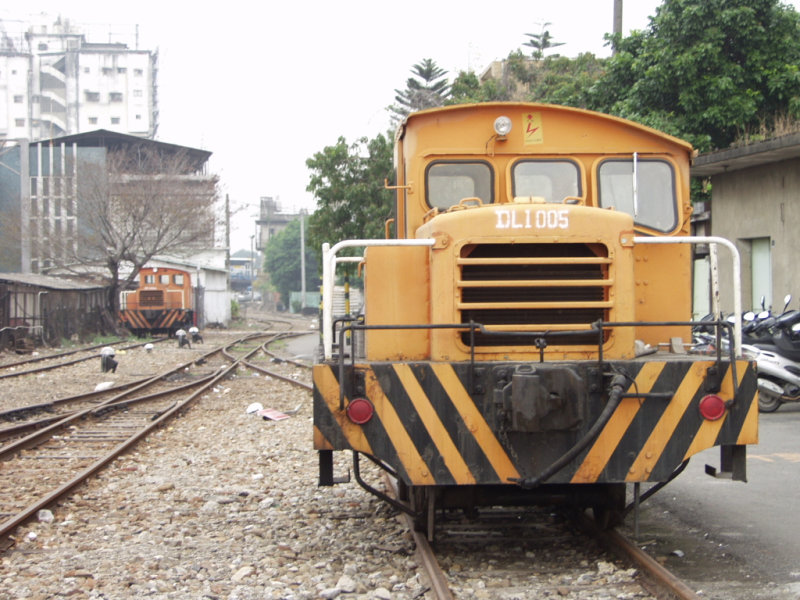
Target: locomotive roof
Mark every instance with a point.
(541, 106)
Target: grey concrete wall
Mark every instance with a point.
(756, 203)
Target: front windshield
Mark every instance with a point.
(655, 205)
(552, 180)
(448, 183)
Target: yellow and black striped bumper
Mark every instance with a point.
(154, 320)
(456, 424)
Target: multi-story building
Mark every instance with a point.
(271, 221)
(53, 82)
(51, 190)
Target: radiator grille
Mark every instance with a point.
(151, 298)
(533, 287)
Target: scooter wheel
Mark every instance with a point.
(768, 401)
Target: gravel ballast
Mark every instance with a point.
(218, 504)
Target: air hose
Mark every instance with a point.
(615, 390)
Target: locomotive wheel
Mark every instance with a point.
(607, 518)
(423, 502)
(610, 513)
(768, 401)
(402, 490)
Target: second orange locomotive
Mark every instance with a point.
(162, 303)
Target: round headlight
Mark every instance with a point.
(502, 125)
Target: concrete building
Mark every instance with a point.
(42, 185)
(271, 221)
(756, 204)
(54, 82)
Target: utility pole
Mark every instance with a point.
(303, 258)
(228, 241)
(617, 21)
(25, 204)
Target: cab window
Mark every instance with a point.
(149, 278)
(178, 279)
(655, 205)
(447, 183)
(552, 180)
(164, 279)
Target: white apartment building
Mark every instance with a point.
(53, 82)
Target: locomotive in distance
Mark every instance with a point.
(508, 350)
(162, 303)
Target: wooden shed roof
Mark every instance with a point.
(48, 282)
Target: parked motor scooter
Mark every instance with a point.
(778, 362)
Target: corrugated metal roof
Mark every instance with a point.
(46, 281)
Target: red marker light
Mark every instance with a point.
(712, 407)
(360, 410)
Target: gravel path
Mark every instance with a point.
(220, 505)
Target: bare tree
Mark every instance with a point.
(139, 203)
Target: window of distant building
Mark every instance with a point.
(137, 93)
(138, 117)
(86, 70)
(17, 99)
(122, 70)
(115, 97)
(92, 120)
(92, 96)
(138, 72)
(19, 122)
(107, 70)
(42, 46)
(115, 120)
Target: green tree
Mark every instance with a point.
(347, 181)
(540, 42)
(426, 89)
(467, 88)
(555, 79)
(282, 262)
(706, 70)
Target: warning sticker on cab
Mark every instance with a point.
(533, 128)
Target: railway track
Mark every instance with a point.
(537, 553)
(41, 466)
(64, 359)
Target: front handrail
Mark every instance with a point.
(736, 272)
(329, 262)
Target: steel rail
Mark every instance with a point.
(8, 432)
(614, 540)
(618, 543)
(24, 515)
(260, 369)
(423, 551)
(13, 414)
(57, 355)
(37, 437)
(67, 363)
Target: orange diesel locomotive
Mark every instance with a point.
(161, 304)
(520, 337)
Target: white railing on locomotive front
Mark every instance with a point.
(330, 260)
(713, 276)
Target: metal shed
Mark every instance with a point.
(48, 309)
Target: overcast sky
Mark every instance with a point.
(264, 87)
